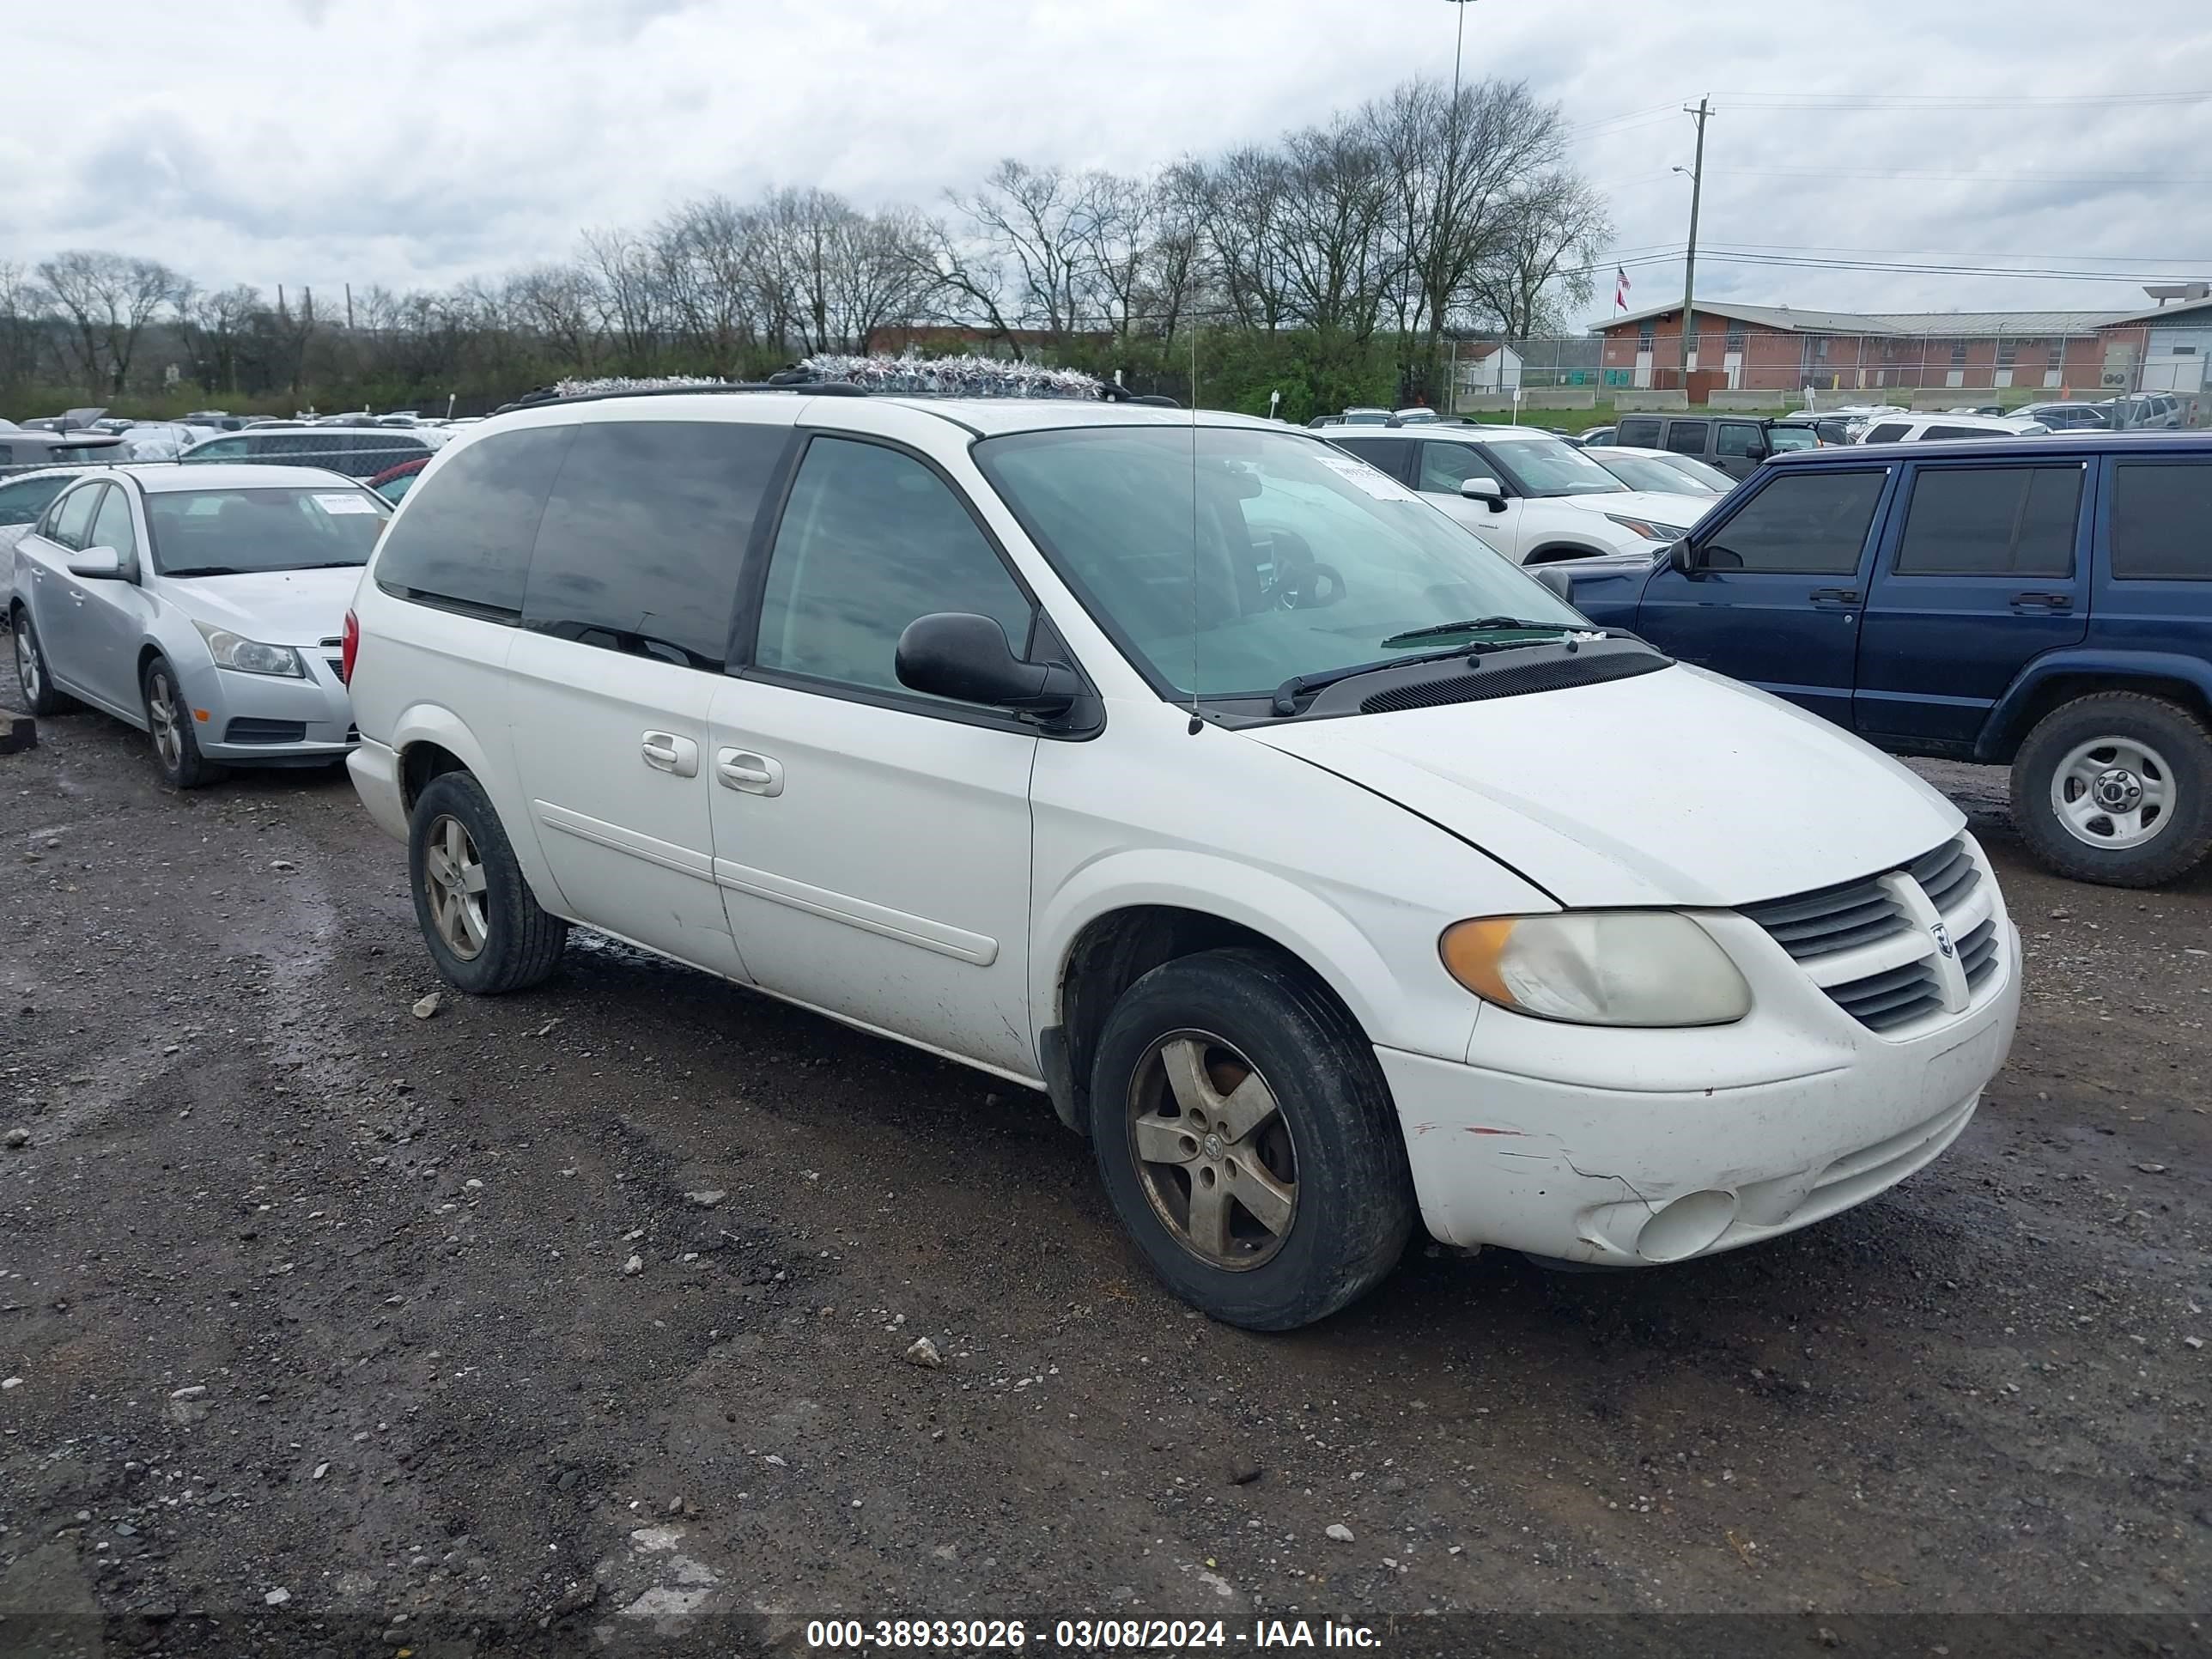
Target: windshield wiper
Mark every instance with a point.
(1437, 631)
(1298, 685)
(207, 570)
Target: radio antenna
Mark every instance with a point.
(1196, 724)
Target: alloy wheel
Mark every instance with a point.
(27, 660)
(2112, 792)
(1213, 1150)
(454, 873)
(167, 719)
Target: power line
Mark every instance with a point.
(1961, 100)
(1918, 175)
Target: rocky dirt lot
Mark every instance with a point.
(576, 1321)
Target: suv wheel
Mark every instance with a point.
(2116, 789)
(1248, 1140)
(39, 696)
(484, 928)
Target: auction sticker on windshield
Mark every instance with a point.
(1380, 485)
(345, 503)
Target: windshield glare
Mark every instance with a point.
(1545, 466)
(203, 531)
(1226, 560)
(1647, 473)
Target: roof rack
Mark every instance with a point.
(794, 379)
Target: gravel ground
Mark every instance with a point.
(576, 1321)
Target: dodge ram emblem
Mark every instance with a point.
(1943, 938)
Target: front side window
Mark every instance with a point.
(70, 521)
(1686, 437)
(1545, 466)
(1387, 453)
(1991, 521)
(1803, 523)
(643, 533)
(1446, 467)
(22, 503)
(227, 532)
(870, 540)
(112, 526)
(1736, 438)
(465, 540)
(1226, 560)
(2160, 530)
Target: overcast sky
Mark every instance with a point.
(422, 142)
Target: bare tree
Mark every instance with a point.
(1243, 203)
(627, 293)
(966, 281)
(108, 299)
(1332, 228)
(706, 255)
(213, 327)
(558, 305)
(1553, 228)
(1039, 221)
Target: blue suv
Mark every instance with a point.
(2042, 602)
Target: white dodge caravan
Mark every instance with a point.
(1324, 869)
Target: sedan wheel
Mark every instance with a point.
(454, 882)
(167, 719)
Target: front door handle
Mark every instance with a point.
(664, 751)
(1842, 596)
(756, 775)
(2043, 601)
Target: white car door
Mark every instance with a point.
(626, 619)
(872, 844)
(1441, 466)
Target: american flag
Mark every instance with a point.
(1620, 289)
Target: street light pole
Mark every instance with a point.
(1690, 262)
(1458, 44)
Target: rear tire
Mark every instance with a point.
(1271, 1188)
(2083, 764)
(485, 929)
(31, 673)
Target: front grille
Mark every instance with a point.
(1832, 919)
(241, 730)
(1892, 998)
(1946, 875)
(1978, 952)
(1868, 945)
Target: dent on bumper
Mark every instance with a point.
(1632, 1178)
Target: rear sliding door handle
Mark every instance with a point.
(664, 751)
(755, 775)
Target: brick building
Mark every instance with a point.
(1781, 349)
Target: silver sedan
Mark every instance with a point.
(201, 604)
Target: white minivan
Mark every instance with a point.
(1325, 869)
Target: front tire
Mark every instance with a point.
(1248, 1140)
(169, 726)
(39, 696)
(2116, 788)
(485, 928)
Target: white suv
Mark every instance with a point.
(1533, 497)
(1325, 869)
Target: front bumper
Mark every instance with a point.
(270, 719)
(1709, 1141)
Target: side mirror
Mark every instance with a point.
(1757, 450)
(1679, 556)
(966, 657)
(1559, 577)
(100, 564)
(1485, 489)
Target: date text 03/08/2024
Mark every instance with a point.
(1085, 1635)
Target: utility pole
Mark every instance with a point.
(1690, 263)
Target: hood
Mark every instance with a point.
(277, 607)
(1673, 788)
(1680, 511)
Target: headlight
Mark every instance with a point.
(1599, 968)
(1650, 529)
(250, 656)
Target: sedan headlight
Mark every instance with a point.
(1650, 529)
(248, 656)
(1599, 968)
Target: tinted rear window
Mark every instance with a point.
(1686, 437)
(464, 539)
(1387, 453)
(21, 503)
(643, 534)
(1991, 521)
(1636, 434)
(2162, 520)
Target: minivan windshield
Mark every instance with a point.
(1545, 466)
(1226, 560)
(230, 533)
